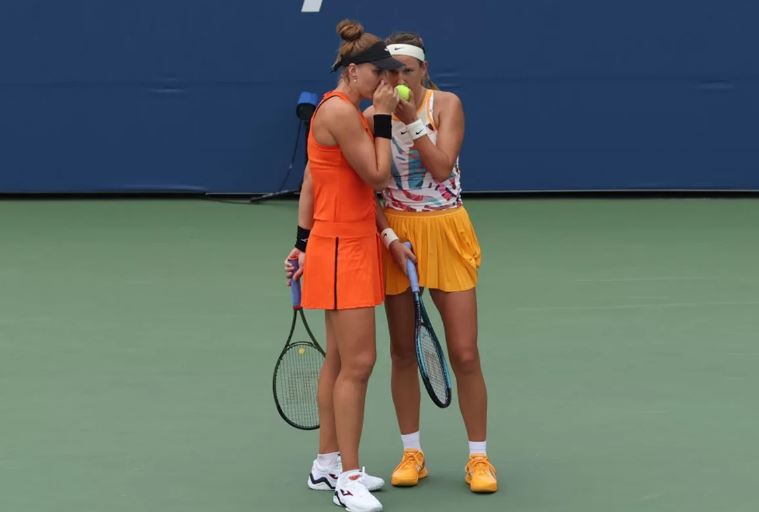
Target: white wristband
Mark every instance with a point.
(388, 236)
(416, 129)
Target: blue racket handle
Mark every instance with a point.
(411, 272)
(295, 286)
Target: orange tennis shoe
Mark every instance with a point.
(480, 474)
(410, 470)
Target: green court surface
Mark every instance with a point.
(620, 341)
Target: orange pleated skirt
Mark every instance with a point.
(343, 268)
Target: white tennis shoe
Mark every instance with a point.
(325, 479)
(351, 494)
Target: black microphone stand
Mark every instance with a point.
(304, 110)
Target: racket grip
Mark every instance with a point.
(411, 272)
(295, 286)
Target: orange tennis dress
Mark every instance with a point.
(344, 253)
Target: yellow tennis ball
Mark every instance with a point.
(301, 351)
(403, 91)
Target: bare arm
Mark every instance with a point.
(369, 158)
(382, 222)
(440, 158)
(369, 116)
(305, 220)
(398, 250)
(306, 201)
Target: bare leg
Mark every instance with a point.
(459, 313)
(354, 331)
(404, 378)
(327, 377)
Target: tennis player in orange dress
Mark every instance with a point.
(340, 253)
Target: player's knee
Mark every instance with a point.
(360, 366)
(403, 357)
(465, 361)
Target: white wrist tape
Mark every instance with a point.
(388, 236)
(416, 129)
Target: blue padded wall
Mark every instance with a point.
(198, 96)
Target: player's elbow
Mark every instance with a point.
(379, 181)
(441, 172)
(441, 168)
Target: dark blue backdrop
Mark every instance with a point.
(191, 95)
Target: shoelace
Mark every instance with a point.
(411, 459)
(480, 465)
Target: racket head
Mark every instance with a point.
(296, 382)
(429, 352)
(431, 359)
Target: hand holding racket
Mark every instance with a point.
(429, 353)
(401, 253)
(294, 264)
(296, 374)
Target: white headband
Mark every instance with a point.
(407, 49)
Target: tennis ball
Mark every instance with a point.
(301, 351)
(403, 91)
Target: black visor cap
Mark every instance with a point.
(376, 54)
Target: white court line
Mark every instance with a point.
(638, 306)
(311, 6)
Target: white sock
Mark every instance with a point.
(478, 447)
(412, 441)
(327, 460)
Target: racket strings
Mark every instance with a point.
(433, 365)
(297, 382)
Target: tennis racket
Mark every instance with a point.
(429, 353)
(296, 374)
